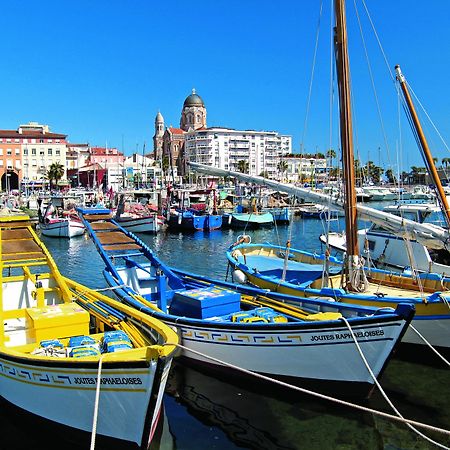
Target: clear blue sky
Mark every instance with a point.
(100, 70)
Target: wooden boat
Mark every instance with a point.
(280, 215)
(249, 221)
(243, 327)
(61, 341)
(66, 226)
(266, 266)
(185, 220)
(150, 223)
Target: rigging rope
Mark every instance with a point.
(380, 116)
(96, 403)
(305, 125)
(316, 394)
(383, 393)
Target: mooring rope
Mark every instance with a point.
(316, 394)
(429, 345)
(96, 403)
(383, 393)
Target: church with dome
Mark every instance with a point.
(170, 141)
(225, 148)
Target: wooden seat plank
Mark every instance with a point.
(20, 233)
(114, 237)
(23, 256)
(21, 246)
(122, 247)
(102, 226)
(95, 217)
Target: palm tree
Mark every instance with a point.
(242, 166)
(331, 154)
(55, 173)
(282, 167)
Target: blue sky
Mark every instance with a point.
(100, 70)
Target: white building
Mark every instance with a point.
(225, 147)
(40, 149)
(302, 168)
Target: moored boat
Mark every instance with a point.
(266, 266)
(60, 342)
(244, 327)
(251, 221)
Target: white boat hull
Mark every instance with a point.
(147, 224)
(66, 395)
(65, 228)
(328, 354)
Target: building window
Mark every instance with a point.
(57, 152)
(25, 151)
(9, 151)
(33, 141)
(8, 140)
(17, 151)
(34, 163)
(41, 141)
(33, 151)
(50, 152)
(1, 162)
(42, 152)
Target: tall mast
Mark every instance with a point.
(346, 131)
(424, 144)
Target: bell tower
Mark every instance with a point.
(158, 137)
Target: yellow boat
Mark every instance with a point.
(72, 355)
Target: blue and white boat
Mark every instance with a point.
(244, 327)
(185, 220)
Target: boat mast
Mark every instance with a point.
(426, 149)
(346, 131)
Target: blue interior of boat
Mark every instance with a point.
(296, 272)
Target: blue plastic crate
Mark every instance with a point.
(205, 302)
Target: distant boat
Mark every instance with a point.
(57, 337)
(184, 220)
(67, 226)
(280, 215)
(249, 221)
(149, 223)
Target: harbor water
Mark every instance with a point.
(205, 411)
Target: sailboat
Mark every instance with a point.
(428, 292)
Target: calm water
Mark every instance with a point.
(205, 412)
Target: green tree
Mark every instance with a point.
(55, 173)
(390, 176)
(242, 166)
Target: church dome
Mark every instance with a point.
(193, 100)
(159, 117)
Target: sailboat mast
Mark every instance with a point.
(346, 131)
(426, 149)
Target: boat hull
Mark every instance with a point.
(248, 221)
(65, 394)
(147, 224)
(432, 318)
(64, 228)
(182, 222)
(311, 353)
